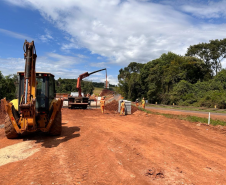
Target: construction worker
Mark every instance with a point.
(102, 104)
(122, 111)
(143, 103)
(137, 102)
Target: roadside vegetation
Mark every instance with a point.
(187, 118)
(69, 85)
(195, 79)
(97, 90)
(7, 86)
(189, 108)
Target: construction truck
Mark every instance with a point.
(81, 102)
(36, 108)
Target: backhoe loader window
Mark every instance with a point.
(40, 93)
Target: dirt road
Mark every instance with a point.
(97, 148)
(214, 115)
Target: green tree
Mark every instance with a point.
(129, 81)
(211, 53)
(7, 86)
(158, 77)
(87, 87)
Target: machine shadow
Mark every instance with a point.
(48, 141)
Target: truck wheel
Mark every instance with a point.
(10, 131)
(56, 127)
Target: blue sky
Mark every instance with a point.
(74, 36)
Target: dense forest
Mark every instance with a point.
(8, 86)
(195, 79)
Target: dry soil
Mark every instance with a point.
(97, 148)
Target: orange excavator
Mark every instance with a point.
(36, 107)
(80, 101)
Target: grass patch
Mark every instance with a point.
(97, 91)
(201, 109)
(187, 118)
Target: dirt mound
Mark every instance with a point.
(113, 106)
(133, 109)
(106, 92)
(2, 117)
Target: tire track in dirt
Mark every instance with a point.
(124, 155)
(131, 154)
(94, 159)
(97, 148)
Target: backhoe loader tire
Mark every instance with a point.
(10, 131)
(56, 127)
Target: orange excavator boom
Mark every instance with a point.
(84, 75)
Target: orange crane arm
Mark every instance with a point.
(84, 75)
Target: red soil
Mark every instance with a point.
(96, 148)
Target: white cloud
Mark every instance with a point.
(47, 37)
(101, 77)
(59, 65)
(99, 64)
(207, 10)
(7, 63)
(81, 56)
(69, 46)
(15, 35)
(132, 30)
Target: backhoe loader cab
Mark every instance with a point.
(45, 90)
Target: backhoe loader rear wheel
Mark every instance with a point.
(56, 127)
(10, 131)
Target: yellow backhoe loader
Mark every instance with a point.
(36, 107)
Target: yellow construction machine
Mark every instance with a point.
(36, 107)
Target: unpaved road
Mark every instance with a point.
(97, 148)
(213, 115)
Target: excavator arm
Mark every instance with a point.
(27, 105)
(82, 76)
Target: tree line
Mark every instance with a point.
(69, 85)
(195, 79)
(9, 87)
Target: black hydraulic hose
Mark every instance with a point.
(97, 71)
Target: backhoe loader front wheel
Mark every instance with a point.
(56, 127)
(10, 131)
